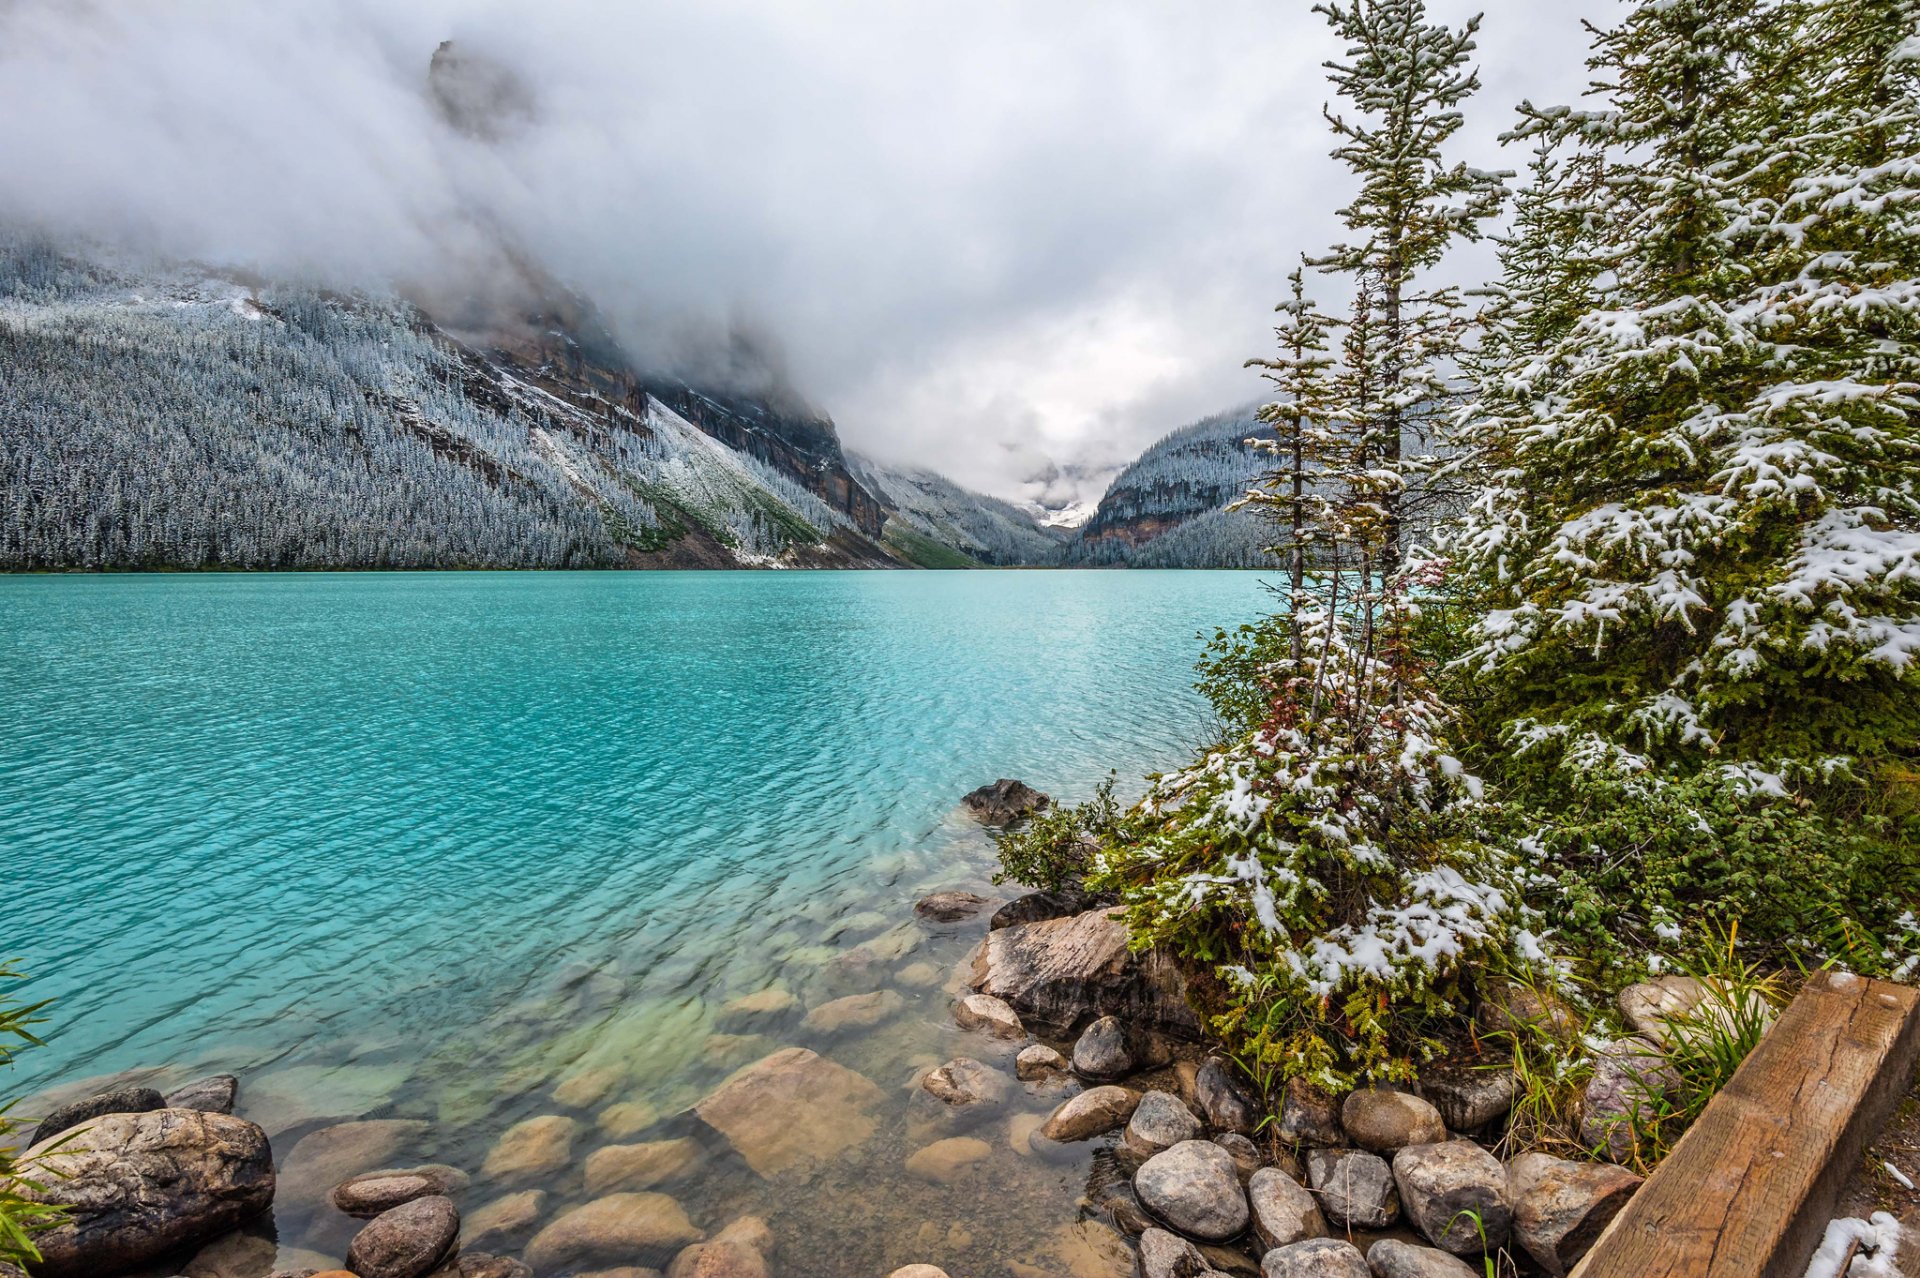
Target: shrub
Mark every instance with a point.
(1055, 848)
(20, 1218)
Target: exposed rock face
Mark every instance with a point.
(1161, 1121)
(1056, 972)
(140, 1185)
(1440, 1182)
(1165, 1255)
(1226, 1100)
(1101, 1050)
(215, 1095)
(1194, 1188)
(965, 1081)
(946, 1161)
(640, 1166)
(1309, 1116)
(617, 1229)
(537, 1147)
(1630, 1076)
(1384, 1121)
(1284, 1212)
(1560, 1207)
(1092, 1112)
(950, 907)
(789, 1113)
(125, 1100)
(1355, 1188)
(1037, 907)
(1005, 801)
(1315, 1258)
(985, 1012)
(1392, 1258)
(855, 1011)
(1037, 1061)
(369, 1196)
(1469, 1099)
(409, 1241)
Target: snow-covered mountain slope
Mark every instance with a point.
(1169, 508)
(928, 507)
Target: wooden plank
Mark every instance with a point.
(1748, 1191)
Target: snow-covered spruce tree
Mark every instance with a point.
(1701, 651)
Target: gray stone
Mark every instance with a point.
(1469, 1099)
(1005, 801)
(1356, 1188)
(1392, 1258)
(1384, 1121)
(1245, 1154)
(138, 1186)
(1092, 1112)
(409, 1241)
(125, 1100)
(985, 1012)
(1309, 1116)
(1441, 1182)
(215, 1095)
(1194, 1189)
(1651, 1005)
(369, 1196)
(1160, 1122)
(1057, 972)
(1037, 1061)
(1284, 1212)
(1165, 1255)
(1101, 1050)
(1315, 1258)
(965, 1081)
(1560, 1207)
(950, 907)
(1225, 1099)
(1631, 1081)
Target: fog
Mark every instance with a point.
(1013, 242)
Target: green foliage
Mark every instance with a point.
(20, 1218)
(1054, 850)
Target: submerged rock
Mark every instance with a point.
(1560, 1207)
(1455, 1193)
(1101, 1050)
(368, 1196)
(738, 1251)
(1056, 972)
(640, 1166)
(1092, 1112)
(509, 1216)
(618, 1229)
(214, 1095)
(1005, 801)
(792, 1112)
(409, 1241)
(137, 1186)
(856, 1011)
(749, 1009)
(1356, 1188)
(946, 1161)
(324, 1158)
(1193, 1187)
(965, 1081)
(125, 1100)
(1315, 1258)
(950, 907)
(535, 1147)
(478, 1264)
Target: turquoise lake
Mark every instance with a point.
(429, 846)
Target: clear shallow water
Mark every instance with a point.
(429, 845)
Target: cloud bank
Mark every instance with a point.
(1015, 242)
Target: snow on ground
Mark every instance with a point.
(1874, 1245)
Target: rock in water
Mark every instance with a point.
(1384, 1121)
(370, 1196)
(1441, 1183)
(215, 1095)
(1194, 1188)
(855, 1011)
(949, 907)
(1560, 1207)
(536, 1147)
(1036, 907)
(1630, 1077)
(1315, 1258)
(1037, 1061)
(409, 1241)
(1355, 1188)
(965, 1081)
(946, 1161)
(790, 1113)
(738, 1251)
(140, 1185)
(640, 1166)
(322, 1159)
(985, 1012)
(1101, 1050)
(478, 1264)
(1092, 1112)
(1392, 1258)
(1228, 1104)
(1006, 801)
(1056, 972)
(1284, 1212)
(125, 1100)
(1165, 1255)
(509, 1216)
(618, 1229)
(1161, 1121)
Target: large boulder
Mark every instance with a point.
(1455, 1193)
(1392, 1258)
(790, 1113)
(1005, 801)
(1315, 1258)
(137, 1186)
(1101, 1050)
(409, 1241)
(1195, 1189)
(1092, 1112)
(1161, 1121)
(1225, 1099)
(1057, 972)
(1284, 1212)
(620, 1229)
(1384, 1121)
(124, 1100)
(1560, 1207)
(1632, 1083)
(1356, 1188)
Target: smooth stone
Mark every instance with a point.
(508, 1216)
(1356, 1188)
(1021, 1129)
(1469, 1099)
(1384, 1121)
(125, 1100)
(478, 1264)
(1651, 1005)
(619, 1227)
(216, 1094)
(1560, 1207)
(985, 1012)
(583, 1089)
(1101, 1050)
(790, 1113)
(1309, 1116)
(1193, 1188)
(1036, 1061)
(368, 1196)
(946, 1161)
(1440, 1181)
(918, 1271)
(856, 1011)
(639, 1166)
(1092, 1112)
(767, 1004)
(965, 1081)
(141, 1185)
(1245, 1154)
(1392, 1258)
(627, 1118)
(535, 1147)
(1037, 907)
(1225, 1099)
(1315, 1258)
(322, 1159)
(1630, 1077)
(1057, 972)
(409, 1241)
(1284, 1212)
(949, 907)
(1160, 1121)
(921, 975)
(738, 1251)
(1166, 1255)
(1005, 801)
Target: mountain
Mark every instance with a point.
(1169, 508)
(931, 520)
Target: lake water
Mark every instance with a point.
(432, 846)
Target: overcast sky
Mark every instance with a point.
(991, 237)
